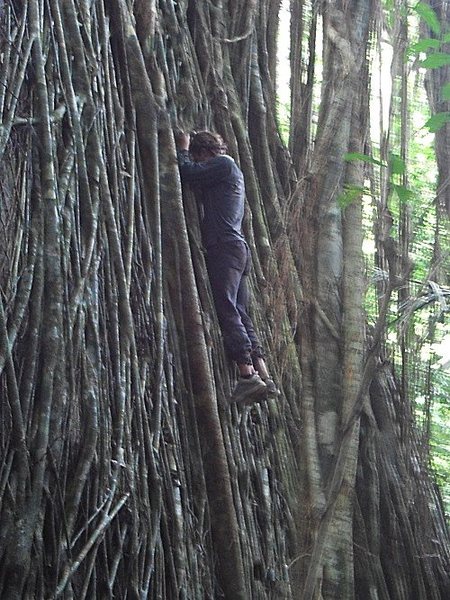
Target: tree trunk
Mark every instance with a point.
(124, 472)
(439, 103)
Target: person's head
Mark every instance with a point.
(205, 145)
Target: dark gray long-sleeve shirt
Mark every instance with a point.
(221, 185)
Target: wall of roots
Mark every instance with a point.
(123, 471)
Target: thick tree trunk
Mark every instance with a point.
(439, 103)
(333, 324)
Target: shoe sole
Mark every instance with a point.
(251, 398)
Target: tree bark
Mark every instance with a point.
(124, 472)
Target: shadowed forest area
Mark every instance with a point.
(124, 471)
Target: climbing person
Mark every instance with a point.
(219, 183)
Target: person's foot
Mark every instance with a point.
(272, 390)
(249, 390)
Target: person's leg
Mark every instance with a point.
(241, 305)
(257, 352)
(225, 267)
(261, 367)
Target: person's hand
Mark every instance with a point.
(182, 140)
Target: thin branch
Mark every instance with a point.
(72, 567)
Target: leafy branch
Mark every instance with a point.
(436, 58)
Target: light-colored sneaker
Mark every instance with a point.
(249, 390)
(272, 390)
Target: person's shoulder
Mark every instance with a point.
(222, 164)
(223, 158)
(226, 162)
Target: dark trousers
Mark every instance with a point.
(228, 264)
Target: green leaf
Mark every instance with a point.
(436, 60)
(429, 16)
(445, 91)
(350, 193)
(404, 194)
(397, 164)
(446, 38)
(364, 157)
(437, 121)
(424, 45)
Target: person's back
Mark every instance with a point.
(221, 184)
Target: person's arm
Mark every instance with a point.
(202, 173)
(182, 140)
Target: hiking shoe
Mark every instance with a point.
(249, 390)
(272, 390)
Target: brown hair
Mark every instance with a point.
(206, 140)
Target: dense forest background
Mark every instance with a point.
(124, 472)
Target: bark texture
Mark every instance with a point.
(123, 471)
(436, 80)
